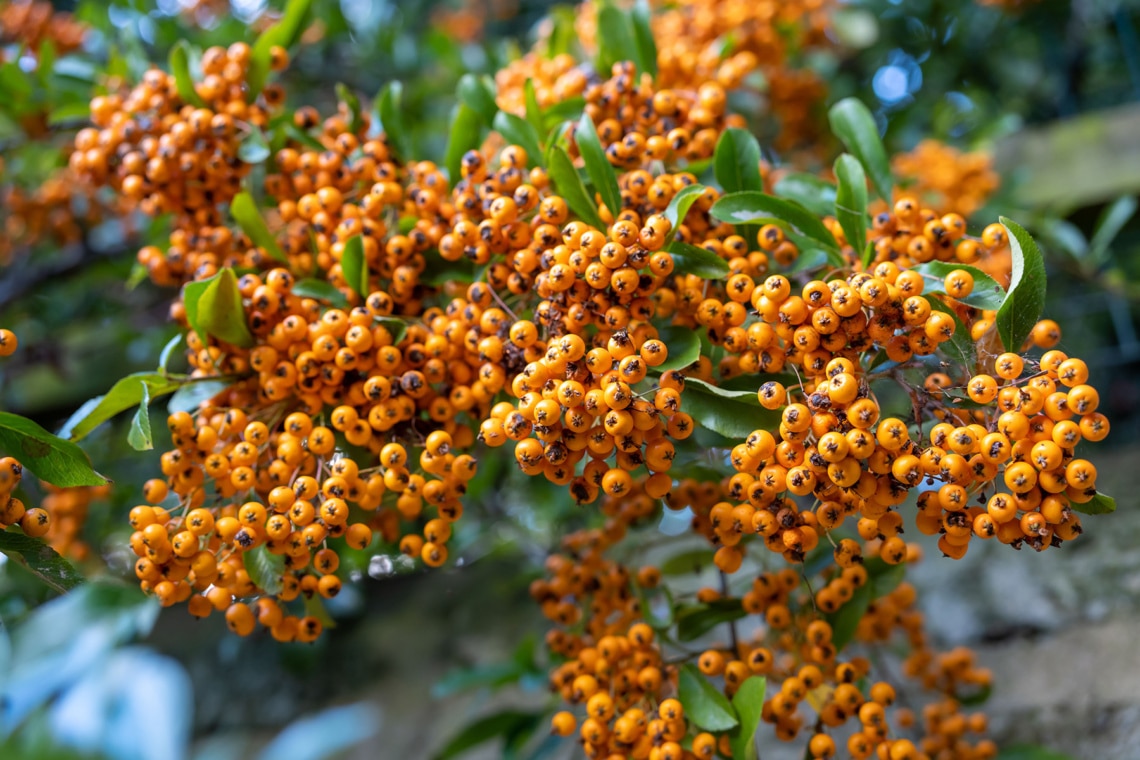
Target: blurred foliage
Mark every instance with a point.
(968, 74)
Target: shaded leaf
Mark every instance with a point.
(139, 436)
(854, 125)
(348, 97)
(696, 620)
(645, 46)
(845, 620)
(1025, 298)
(737, 161)
(46, 456)
(570, 187)
(598, 167)
(285, 33)
(1108, 226)
(1100, 504)
(704, 704)
(691, 259)
(851, 202)
(680, 204)
(265, 569)
(320, 290)
(1030, 752)
(168, 351)
(354, 265)
(245, 212)
(518, 131)
(478, 94)
(253, 148)
(813, 193)
(503, 724)
(684, 347)
(466, 134)
(615, 40)
(533, 112)
(41, 560)
(183, 81)
(124, 394)
(688, 562)
(190, 396)
(733, 414)
(961, 347)
(751, 206)
(214, 307)
(392, 118)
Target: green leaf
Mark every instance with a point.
(127, 392)
(139, 436)
(41, 560)
(751, 206)
(563, 35)
(303, 137)
(1025, 298)
(851, 201)
(320, 290)
(845, 620)
(733, 414)
(615, 40)
(397, 327)
(569, 185)
(354, 266)
(466, 134)
(168, 351)
(505, 724)
(1098, 505)
(1108, 226)
(1030, 752)
(348, 97)
(46, 456)
(737, 161)
(518, 131)
(748, 701)
(987, 294)
(645, 46)
(884, 578)
(533, 111)
(478, 94)
(692, 259)
(183, 81)
(704, 704)
(285, 33)
(854, 125)
(244, 210)
(190, 396)
(213, 307)
(265, 569)
(810, 260)
(684, 347)
(961, 347)
(975, 697)
(680, 204)
(598, 167)
(392, 119)
(813, 193)
(569, 110)
(253, 148)
(691, 561)
(696, 620)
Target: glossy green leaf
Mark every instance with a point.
(214, 307)
(349, 98)
(478, 94)
(961, 347)
(123, 395)
(615, 39)
(285, 33)
(845, 620)
(684, 346)
(736, 161)
(139, 436)
(987, 293)
(466, 134)
(41, 560)
(815, 194)
(748, 702)
(598, 167)
(645, 46)
(704, 703)
(533, 111)
(680, 204)
(1025, 298)
(392, 119)
(245, 212)
(692, 561)
(253, 148)
(733, 414)
(183, 80)
(696, 620)
(692, 259)
(518, 131)
(851, 201)
(46, 456)
(751, 206)
(1101, 504)
(320, 290)
(570, 187)
(854, 125)
(354, 265)
(191, 396)
(505, 725)
(1108, 226)
(265, 569)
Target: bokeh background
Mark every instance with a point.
(1047, 93)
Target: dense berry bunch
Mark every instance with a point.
(32, 521)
